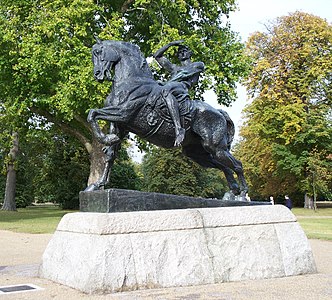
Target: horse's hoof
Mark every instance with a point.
(228, 196)
(91, 188)
(179, 137)
(111, 139)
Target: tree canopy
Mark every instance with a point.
(287, 136)
(46, 61)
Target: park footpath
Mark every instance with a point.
(21, 253)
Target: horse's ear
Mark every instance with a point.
(97, 38)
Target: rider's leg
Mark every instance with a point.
(173, 107)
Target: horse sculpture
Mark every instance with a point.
(136, 105)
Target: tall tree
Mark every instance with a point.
(45, 53)
(10, 190)
(289, 119)
(9, 149)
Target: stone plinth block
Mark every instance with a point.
(101, 253)
(119, 200)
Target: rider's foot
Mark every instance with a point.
(180, 133)
(111, 139)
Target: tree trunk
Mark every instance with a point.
(9, 202)
(97, 162)
(308, 201)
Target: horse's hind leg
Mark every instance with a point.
(206, 160)
(222, 154)
(214, 141)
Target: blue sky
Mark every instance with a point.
(251, 17)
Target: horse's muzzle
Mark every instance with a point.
(99, 75)
(102, 74)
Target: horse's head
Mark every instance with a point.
(104, 58)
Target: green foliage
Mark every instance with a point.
(45, 48)
(52, 168)
(287, 137)
(124, 174)
(46, 69)
(168, 171)
(2, 187)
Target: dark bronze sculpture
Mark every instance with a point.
(161, 113)
(182, 78)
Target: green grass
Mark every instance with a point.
(312, 213)
(316, 224)
(32, 220)
(317, 228)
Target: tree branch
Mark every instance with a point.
(83, 122)
(64, 127)
(125, 5)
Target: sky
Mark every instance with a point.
(251, 17)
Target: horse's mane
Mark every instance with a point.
(131, 50)
(134, 48)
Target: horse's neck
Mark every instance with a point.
(128, 69)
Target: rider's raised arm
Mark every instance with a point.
(162, 60)
(165, 63)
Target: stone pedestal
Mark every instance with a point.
(100, 253)
(119, 200)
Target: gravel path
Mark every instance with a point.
(20, 256)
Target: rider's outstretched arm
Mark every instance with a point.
(162, 60)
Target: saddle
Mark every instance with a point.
(157, 106)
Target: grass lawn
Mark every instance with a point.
(299, 212)
(316, 224)
(317, 228)
(36, 219)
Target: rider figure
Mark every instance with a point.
(182, 78)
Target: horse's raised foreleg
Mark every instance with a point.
(111, 154)
(106, 139)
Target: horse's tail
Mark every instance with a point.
(230, 128)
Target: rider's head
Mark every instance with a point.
(184, 53)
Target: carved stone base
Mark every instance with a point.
(118, 200)
(102, 253)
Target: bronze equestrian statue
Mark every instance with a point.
(161, 113)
